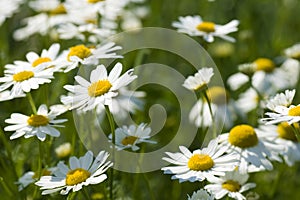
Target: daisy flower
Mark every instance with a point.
(223, 109)
(31, 177)
(283, 134)
(201, 195)
(282, 109)
(199, 80)
(293, 52)
(48, 59)
(252, 147)
(24, 78)
(232, 184)
(130, 137)
(264, 76)
(40, 124)
(200, 164)
(281, 99)
(100, 90)
(195, 26)
(81, 54)
(82, 172)
(248, 101)
(49, 16)
(63, 150)
(8, 8)
(5, 96)
(85, 32)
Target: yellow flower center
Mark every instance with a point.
(286, 131)
(60, 9)
(80, 51)
(243, 136)
(76, 176)
(264, 64)
(38, 120)
(207, 27)
(22, 76)
(99, 88)
(295, 111)
(200, 162)
(40, 61)
(217, 95)
(94, 1)
(129, 140)
(231, 186)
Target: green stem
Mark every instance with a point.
(296, 131)
(5, 187)
(149, 187)
(211, 113)
(112, 127)
(71, 195)
(39, 169)
(86, 194)
(30, 99)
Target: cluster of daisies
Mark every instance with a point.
(224, 166)
(89, 23)
(267, 86)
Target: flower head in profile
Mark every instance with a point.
(254, 149)
(200, 164)
(40, 124)
(199, 80)
(195, 26)
(130, 137)
(284, 135)
(63, 150)
(24, 78)
(293, 52)
(83, 171)
(282, 110)
(81, 54)
(232, 184)
(201, 195)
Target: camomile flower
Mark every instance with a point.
(293, 52)
(200, 164)
(195, 26)
(82, 172)
(223, 109)
(48, 59)
(130, 137)
(282, 110)
(40, 124)
(24, 78)
(81, 54)
(284, 135)
(100, 90)
(85, 32)
(199, 80)
(281, 99)
(201, 195)
(248, 101)
(63, 150)
(252, 146)
(8, 8)
(44, 22)
(264, 76)
(5, 95)
(233, 184)
(31, 177)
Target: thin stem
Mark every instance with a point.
(112, 127)
(149, 187)
(296, 131)
(71, 196)
(39, 168)
(30, 99)
(5, 187)
(86, 194)
(211, 113)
